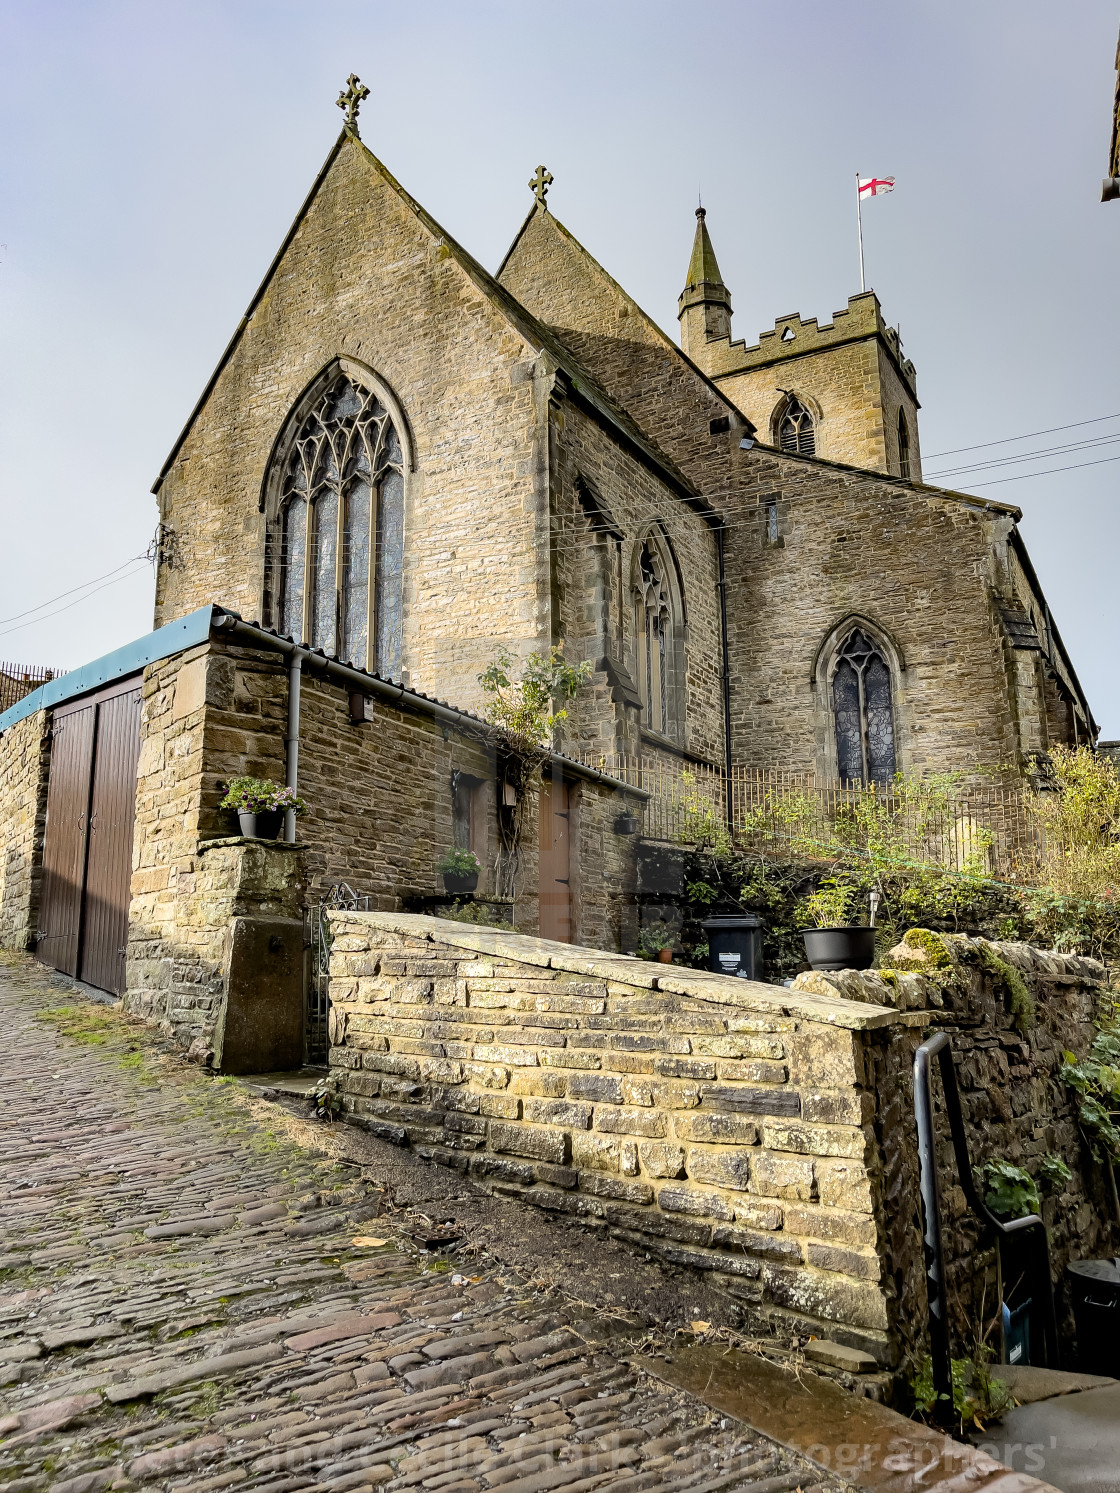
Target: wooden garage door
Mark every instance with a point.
(87, 853)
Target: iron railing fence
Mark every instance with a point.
(316, 1029)
(985, 827)
(18, 680)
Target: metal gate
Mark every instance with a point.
(87, 850)
(317, 1026)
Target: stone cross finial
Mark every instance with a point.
(351, 98)
(540, 184)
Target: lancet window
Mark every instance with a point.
(795, 429)
(903, 446)
(861, 702)
(654, 639)
(341, 519)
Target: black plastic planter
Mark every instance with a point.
(265, 824)
(840, 948)
(459, 886)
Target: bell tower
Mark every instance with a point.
(844, 390)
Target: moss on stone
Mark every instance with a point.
(932, 945)
(1019, 1000)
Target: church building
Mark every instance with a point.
(411, 464)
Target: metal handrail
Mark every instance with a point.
(938, 1047)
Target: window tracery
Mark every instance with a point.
(341, 519)
(796, 432)
(862, 711)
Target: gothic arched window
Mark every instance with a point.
(861, 703)
(341, 517)
(903, 445)
(657, 636)
(795, 429)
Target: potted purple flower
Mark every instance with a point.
(260, 806)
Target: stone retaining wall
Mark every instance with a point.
(1015, 1103)
(760, 1133)
(721, 1123)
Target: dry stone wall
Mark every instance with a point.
(1015, 1104)
(24, 765)
(723, 1124)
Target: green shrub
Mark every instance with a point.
(459, 862)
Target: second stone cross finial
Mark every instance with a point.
(540, 184)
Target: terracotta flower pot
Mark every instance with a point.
(664, 956)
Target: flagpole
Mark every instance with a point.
(859, 225)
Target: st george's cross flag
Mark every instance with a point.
(875, 186)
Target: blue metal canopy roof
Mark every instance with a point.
(185, 633)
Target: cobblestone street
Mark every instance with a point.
(189, 1300)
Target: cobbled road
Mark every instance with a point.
(185, 1303)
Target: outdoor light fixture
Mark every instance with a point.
(746, 443)
(1110, 189)
(627, 824)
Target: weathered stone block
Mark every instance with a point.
(720, 1167)
(530, 1140)
(647, 1122)
(782, 1176)
(661, 1160)
(815, 1140)
(691, 1200)
(726, 1129)
(752, 1101)
(558, 1112)
(599, 1088)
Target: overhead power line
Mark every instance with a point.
(1010, 439)
(1094, 443)
(127, 575)
(84, 585)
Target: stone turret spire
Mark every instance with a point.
(705, 302)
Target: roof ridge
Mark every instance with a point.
(675, 347)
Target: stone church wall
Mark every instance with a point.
(919, 569)
(24, 765)
(364, 278)
(634, 499)
(837, 386)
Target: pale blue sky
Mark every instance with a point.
(155, 153)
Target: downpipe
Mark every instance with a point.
(291, 739)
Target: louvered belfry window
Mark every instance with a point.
(795, 430)
(342, 530)
(903, 446)
(861, 702)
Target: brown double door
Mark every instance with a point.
(556, 860)
(87, 850)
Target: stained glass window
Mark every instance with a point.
(292, 551)
(342, 530)
(861, 702)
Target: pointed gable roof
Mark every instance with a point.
(583, 387)
(599, 290)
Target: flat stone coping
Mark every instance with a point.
(864, 1444)
(628, 969)
(224, 840)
